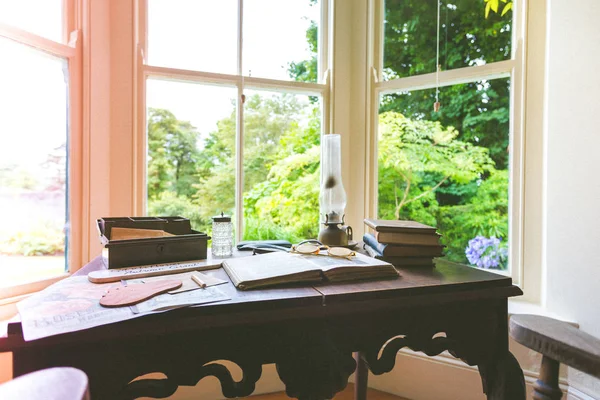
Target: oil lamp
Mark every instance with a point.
(332, 198)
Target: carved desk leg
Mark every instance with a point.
(312, 365)
(503, 378)
(474, 333)
(361, 378)
(501, 375)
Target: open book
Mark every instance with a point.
(280, 268)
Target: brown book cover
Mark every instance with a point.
(417, 239)
(401, 261)
(401, 250)
(383, 225)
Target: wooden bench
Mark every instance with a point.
(558, 342)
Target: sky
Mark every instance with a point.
(33, 100)
(32, 87)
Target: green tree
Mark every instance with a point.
(307, 70)
(273, 138)
(416, 158)
(172, 154)
(289, 196)
(479, 110)
(412, 152)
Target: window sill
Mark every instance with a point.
(12, 294)
(516, 306)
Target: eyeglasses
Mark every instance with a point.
(314, 247)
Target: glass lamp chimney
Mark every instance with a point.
(332, 197)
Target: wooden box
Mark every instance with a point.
(186, 244)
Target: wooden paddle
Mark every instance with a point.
(135, 293)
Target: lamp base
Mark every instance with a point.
(333, 235)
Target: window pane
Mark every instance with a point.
(191, 150)
(450, 169)
(280, 39)
(42, 17)
(281, 166)
(467, 37)
(193, 34)
(33, 160)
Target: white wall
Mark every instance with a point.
(573, 173)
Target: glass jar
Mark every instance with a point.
(222, 236)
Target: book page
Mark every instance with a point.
(327, 263)
(266, 266)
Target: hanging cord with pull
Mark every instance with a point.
(436, 105)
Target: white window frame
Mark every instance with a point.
(143, 71)
(523, 244)
(71, 50)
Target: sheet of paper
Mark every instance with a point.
(185, 278)
(167, 301)
(68, 306)
(208, 279)
(73, 304)
(132, 233)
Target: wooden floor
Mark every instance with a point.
(347, 394)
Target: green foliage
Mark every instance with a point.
(493, 6)
(42, 239)
(486, 214)
(170, 204)
(478, 110)
(409, 150)
(16, 177)
(416, 160)
(307, 70)
(281, 178)
(289, 197)
(172, 154)
(259, 229)
(447, 169)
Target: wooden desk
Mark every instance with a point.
(310, 333)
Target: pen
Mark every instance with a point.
(199, 281)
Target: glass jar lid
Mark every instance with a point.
(222, 218)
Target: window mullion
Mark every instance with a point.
(239, 138)
(323, 54)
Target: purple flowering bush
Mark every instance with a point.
(488, 253)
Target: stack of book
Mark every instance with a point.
(402, 243)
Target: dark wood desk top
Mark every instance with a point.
(444, 278)
(448, 282)
(310, 333)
